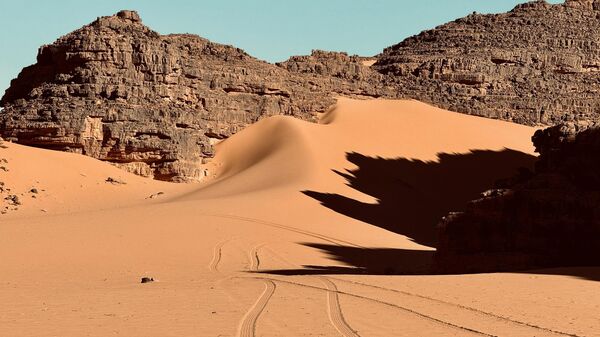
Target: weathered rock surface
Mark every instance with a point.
(537, 64)
(337, 72)
(156, 105)
(153, 104)
(541, 219)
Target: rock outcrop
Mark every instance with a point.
(337, 72)
(545, 218)
(153, 104)
(537, 64)
(156, 104)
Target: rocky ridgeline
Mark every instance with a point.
(542, 219)
(156, 104)
(153, 104)
(537, 64)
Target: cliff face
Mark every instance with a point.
(338, 72)
(545, 218)
(537, 64)
(118, 91)
(156, 105)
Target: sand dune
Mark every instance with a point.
(293, 237)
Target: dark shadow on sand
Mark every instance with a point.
(368, 261)
(389, 261)
(412, 197)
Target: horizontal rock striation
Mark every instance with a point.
(153, 104)
(340, 73)
(537, 64)
(156, 104)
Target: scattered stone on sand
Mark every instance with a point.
(147, 279)
(34, 190)
(115, 181)
(13, 199)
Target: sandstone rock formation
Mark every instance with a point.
(537, 64)
(546, 218)
(156, 105)
(337, 72)
(120, 92)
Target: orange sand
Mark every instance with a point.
(74, 268)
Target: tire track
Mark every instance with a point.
(217, 253)
(455, 305)
(329, 239)
(335, 311)
(247, 327)
(392, 305)
(254, 259)
(463, 307)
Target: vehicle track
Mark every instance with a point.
(460, 306)
(329, 239)
(255, 262)
(336, 315)
(374, 300)
(334, 309)
(217, 253)
(254, 259)
(247, 327)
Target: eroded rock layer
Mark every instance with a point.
(537, 64)
(120, 92)
(156, 104)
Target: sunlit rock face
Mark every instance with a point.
(153, 104)
(537, 64)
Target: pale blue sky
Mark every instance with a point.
(268, 29)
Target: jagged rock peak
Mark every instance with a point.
(129, 15)
(124, 16)
(532, 5)
(123, 21)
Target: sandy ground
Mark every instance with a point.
(293, 238)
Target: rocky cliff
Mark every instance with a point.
(153, 104)
(156, 104)
(537, 64)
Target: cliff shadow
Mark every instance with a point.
(413, 195)
(390, 261)
(367, 261)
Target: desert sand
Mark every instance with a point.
(305, 230)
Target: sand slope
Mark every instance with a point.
(292, 238)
